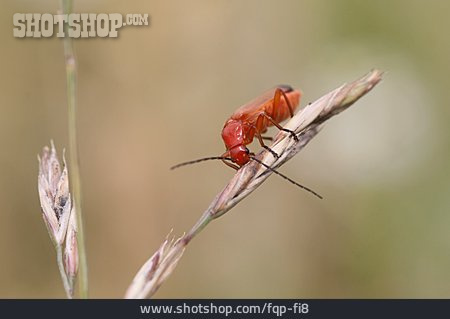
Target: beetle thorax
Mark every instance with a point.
(233, 133)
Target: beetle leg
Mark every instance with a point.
(271, 120)
(277, 100)
(260, 138)
(228, 163)
(234, 166)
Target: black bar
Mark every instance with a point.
(226, 308)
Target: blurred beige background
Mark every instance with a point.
(159, 95)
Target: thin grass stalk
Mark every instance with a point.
(71, 79)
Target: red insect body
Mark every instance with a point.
(254, 118)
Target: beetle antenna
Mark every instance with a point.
(201, 160)
(285, 177)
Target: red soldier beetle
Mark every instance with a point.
(253, 119)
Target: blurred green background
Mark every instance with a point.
(159, 95)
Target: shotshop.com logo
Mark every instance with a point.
(79, 25)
